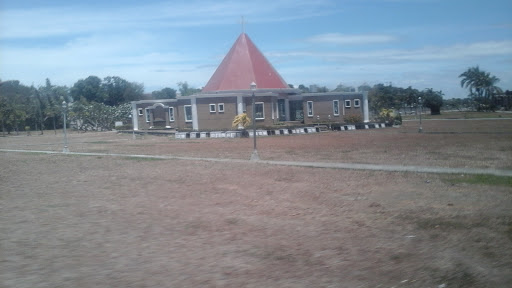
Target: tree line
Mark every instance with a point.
(388, 97)
(484, 95)
(91, 103)
(95, 104)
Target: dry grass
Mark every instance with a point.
(99, 221)
(472, 143)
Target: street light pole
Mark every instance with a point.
(420, 130)
(64, 106)
(133, 128)
(254, 156)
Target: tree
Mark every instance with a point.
(54, 109)
(39, 107)
(459, 104)
(433, 100)
(186, 90)
(381, 97)
(166, 93)
(303, 88)
(364, 87)
(343, 88)
(114, 88)
(133, 92)
(322, 89)
(89, 89)
(482, 87)
(50, 99)
(15, 104)
(112, 91)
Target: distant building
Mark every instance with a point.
(228, 94)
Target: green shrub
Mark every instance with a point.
(386, 116)
(353, 119)
(125, 127)
(398, 119)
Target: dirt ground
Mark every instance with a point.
(456, 143)
(101, 221)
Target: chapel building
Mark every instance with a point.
(228, 93)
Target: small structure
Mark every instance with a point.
(228, 94)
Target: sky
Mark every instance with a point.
(417, 43)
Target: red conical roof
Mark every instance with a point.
(243, 65)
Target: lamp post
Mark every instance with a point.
(64, 108)
(254, 156)
(133, 129)
(421, 110)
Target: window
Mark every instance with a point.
(171, 114)
(188, 113)
(347, 103)
(336, 107)
(357, 103)
(212, 108)
(140, 112)
(221, 107)
(148, 116)
(310, 108)
(260, 113)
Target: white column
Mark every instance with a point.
(135, 117)
(195, 122)
(287, 109)
(272, 109)
(240, 108)
(277, 110)
(239, 104)
(366, 115)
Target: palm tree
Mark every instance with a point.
(482, 87)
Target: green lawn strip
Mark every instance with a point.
(480, 179)
(460, 115)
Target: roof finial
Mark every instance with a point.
(242, 21)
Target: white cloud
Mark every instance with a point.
(150, 43)
(428, 67)
(342, 39)
(453, 52)
(76, 20)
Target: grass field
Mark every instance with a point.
(461, 115)
(101, 221)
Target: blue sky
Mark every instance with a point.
(418, 43)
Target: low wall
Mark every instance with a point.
(283, 131)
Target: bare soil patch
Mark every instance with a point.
(99, 221)
(471, 143)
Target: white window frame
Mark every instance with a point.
(310, 111)
(336, 106)
(185, 109)
(357, 103)
(348, 104)
(212, 108)
(219, 107)
(171, 114)
(262, 110)
(140, 112)
(148, 116)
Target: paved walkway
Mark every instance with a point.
(334, 165)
